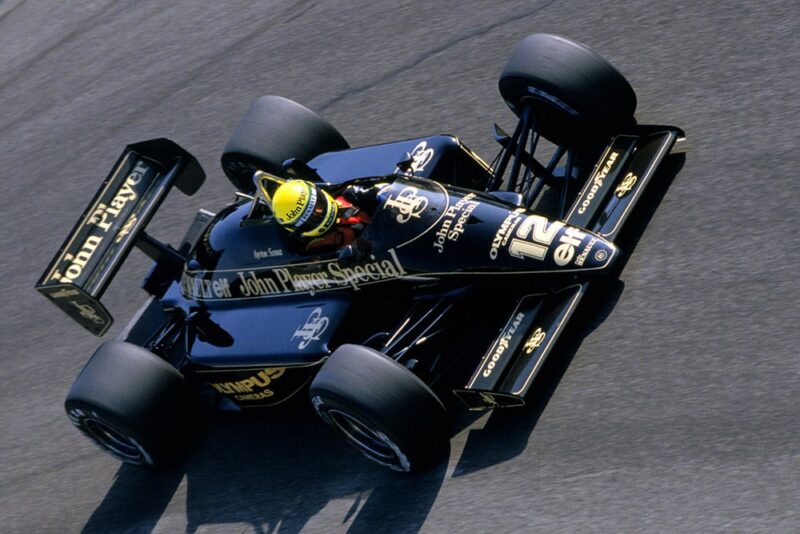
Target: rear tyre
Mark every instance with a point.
(381, 408)
(576, 88)
(131, 404)
(273, 130)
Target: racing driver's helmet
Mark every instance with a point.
(303, 207)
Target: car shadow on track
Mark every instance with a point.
(270, 472)
(513, 427)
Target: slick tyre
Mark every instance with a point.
(574, 89)
(381, 408)
(273, 130)
(131, 404)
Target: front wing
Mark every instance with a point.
(506, 371)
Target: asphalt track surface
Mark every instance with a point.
(672, 407)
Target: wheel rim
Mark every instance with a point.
(113, 441)
(372, 443)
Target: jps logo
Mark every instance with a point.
(421, 156)
(315, 326)
(87, 312)
(626, 185)
(408, 204)
(489, 399)
(534, 341)
(64, 293)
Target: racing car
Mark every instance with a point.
(454, 293)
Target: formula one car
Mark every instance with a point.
(456, 290)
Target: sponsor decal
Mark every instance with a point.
(126, 228)
(489, 399)
(600, 255)
(269, 253)
(579, 261)
(454, 221)
(503, 344)
(267, 393)
(534, 341)
(302, 206)
(105, 215)
(64, 293)
(509, 341)
(626, 185)
(597, 181)
(503, 234)
(102, 218)
(87, 312)
(535, 237)
(289, 279)
(78, 261)
(420, 156)
(312, 329)
(571, 238)
(200, 288)
(253, 387)
(408, 203)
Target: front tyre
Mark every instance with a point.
(131, 404)
(381, 408)
(572, 86)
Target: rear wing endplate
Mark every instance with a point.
(108, 229)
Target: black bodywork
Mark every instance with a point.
(466, 275)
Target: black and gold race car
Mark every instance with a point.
(456, 291)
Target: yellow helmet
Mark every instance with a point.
(303, 207)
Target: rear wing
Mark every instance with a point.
(112, 224)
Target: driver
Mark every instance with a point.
(310, 212)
